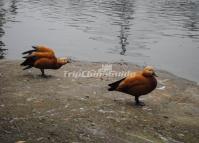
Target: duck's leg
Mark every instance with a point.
(43, 73)
(138, 102)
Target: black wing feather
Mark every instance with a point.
(114, 85)
(29, 62)
(28, 52)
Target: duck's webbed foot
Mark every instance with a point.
(140, 103)
(137, 102)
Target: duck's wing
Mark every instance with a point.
(123, 83)
(40, 55)
(131, 81)
(114, 85)
(42, 49)
(39, 60)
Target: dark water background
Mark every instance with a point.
(162, 33)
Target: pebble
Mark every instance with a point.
(82, 99)
(161, 88)
(66, 106)
(103, 111)
(39, 139)
(81, 108)
(181, 135)
(146, 108)
(30, 99)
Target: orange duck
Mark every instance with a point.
(42, 57)
(137, 84)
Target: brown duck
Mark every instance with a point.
(137, 84)
(42, 57)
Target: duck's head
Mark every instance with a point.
(149, 71)
(62, 61)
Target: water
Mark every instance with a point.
(162, 33)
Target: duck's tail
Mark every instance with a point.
(29, 62)
(114, 85)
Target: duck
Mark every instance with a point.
(42, 57)
(137, 84)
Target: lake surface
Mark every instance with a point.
(162, 33)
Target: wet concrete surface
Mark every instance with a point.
(65, 109)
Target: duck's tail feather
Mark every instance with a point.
(29, 61)
(28, 52)
(114, 85)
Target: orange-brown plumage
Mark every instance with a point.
(40, 48)
(42, 57)
(137, 83)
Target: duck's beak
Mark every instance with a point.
(154, 74)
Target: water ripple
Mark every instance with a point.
(143, 31)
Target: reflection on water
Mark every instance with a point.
(124, 10)
(2, 15)
(163, 33)
(3, 20)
